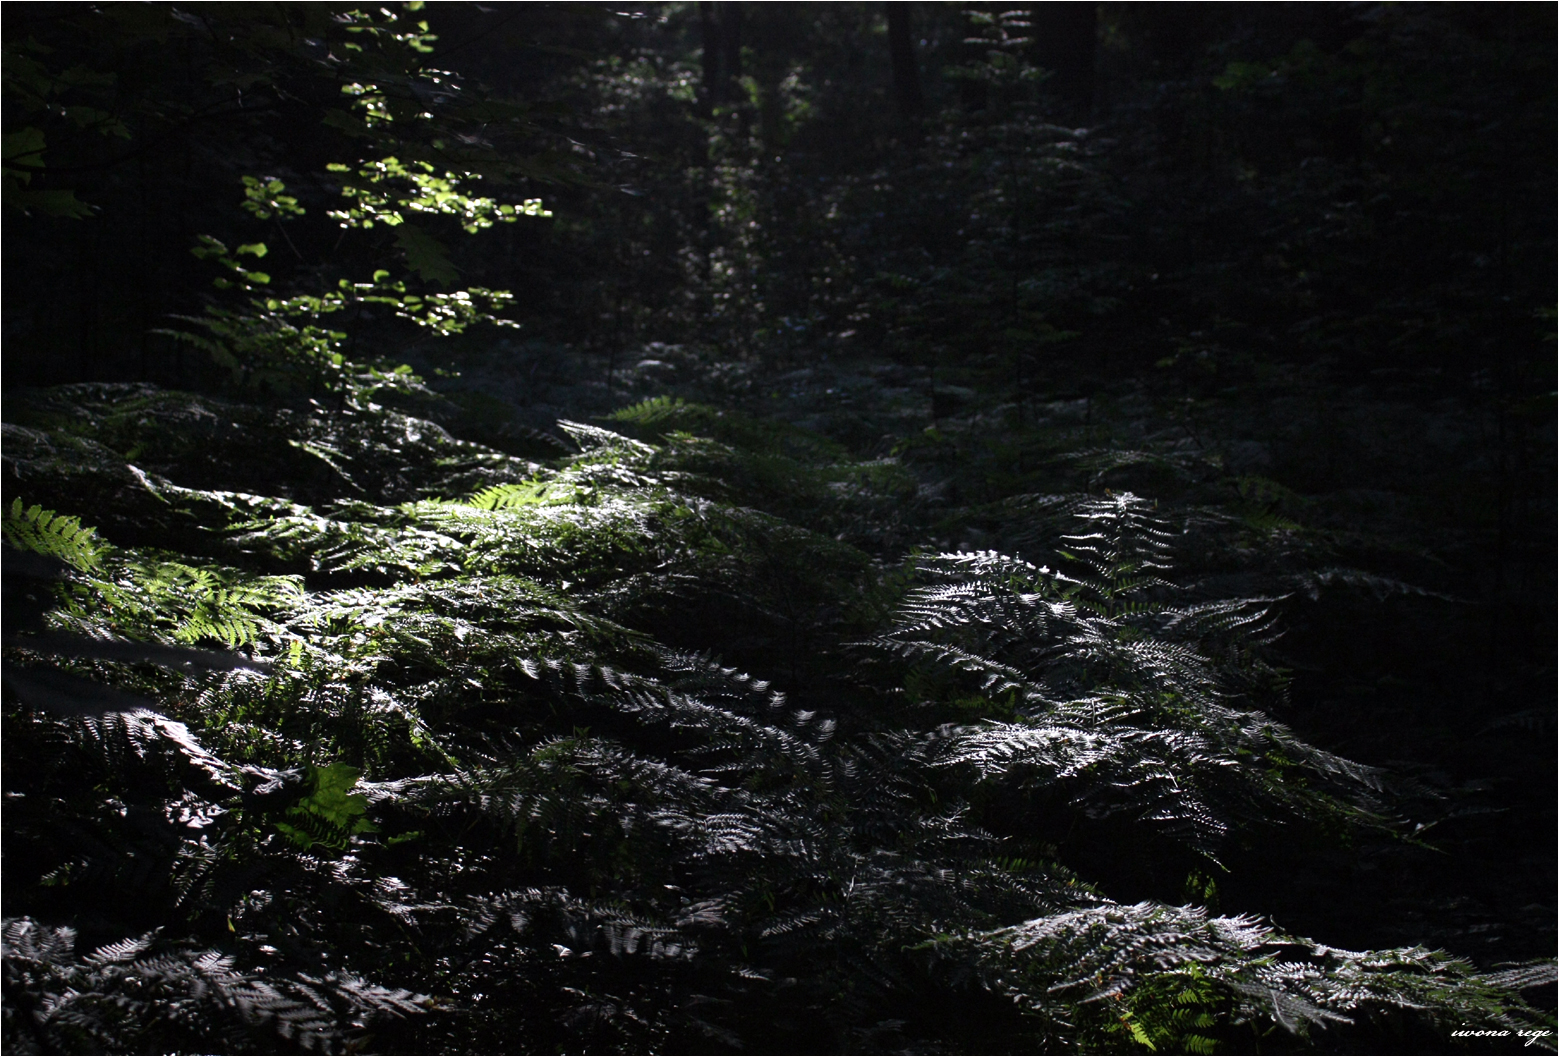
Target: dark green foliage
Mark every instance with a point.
(479, 762)
(141, 993)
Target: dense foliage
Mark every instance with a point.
(454, 762)
(975, 545)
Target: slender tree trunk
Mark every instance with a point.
(721, 27)
(901, 49)
(710, 28)
(90, 245)
(768, 33)
(148, 261)
(730, 47)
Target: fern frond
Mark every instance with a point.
(53, 535)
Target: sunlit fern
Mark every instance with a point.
(477, 768)
(1128, 702)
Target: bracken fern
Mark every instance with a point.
(479, 747)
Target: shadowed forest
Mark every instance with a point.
(779, 528)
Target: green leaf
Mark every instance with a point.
(56, 535)
(426, 255)
(57, 203)
(331, 814)
(26, 143)
(1137, 1033)
(259, 249)
(333, 798)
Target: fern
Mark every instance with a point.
(480, 751)
(145, 990)
(1110, 950)
(53, 535)
(1140, 707)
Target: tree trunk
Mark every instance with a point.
(901, 49)
(771, 35)
(721, 26)
(731, 47)
(711, 56)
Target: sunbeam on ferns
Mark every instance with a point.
(479, 773)
(1122, 699)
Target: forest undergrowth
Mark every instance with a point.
(330, 729)
(947, 529)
